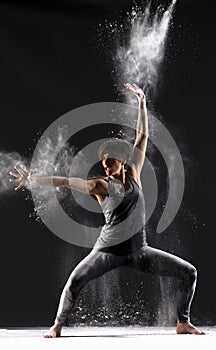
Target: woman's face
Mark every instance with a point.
(112, 166)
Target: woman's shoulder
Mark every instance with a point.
(102, 181)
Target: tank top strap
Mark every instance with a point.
(134, 182)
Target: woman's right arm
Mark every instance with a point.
(91, 186)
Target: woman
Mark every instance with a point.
(122, 240)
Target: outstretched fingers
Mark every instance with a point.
(12, 174)
(20, 176)
(20, 171)
(130, 86)
(17, 177)
(19, 186)
(135, 89)
(136, 86)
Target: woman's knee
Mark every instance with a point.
(191, 273)
(73, 284)
(194, 272)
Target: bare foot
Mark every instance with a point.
(187, 328)
(53, 332)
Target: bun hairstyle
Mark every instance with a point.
(116, 148)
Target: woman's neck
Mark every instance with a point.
(121, 176)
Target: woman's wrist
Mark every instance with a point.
(142, 102)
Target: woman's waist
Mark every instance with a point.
(120, 246)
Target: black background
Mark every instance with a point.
(50, 63)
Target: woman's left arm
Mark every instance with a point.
(140, 145)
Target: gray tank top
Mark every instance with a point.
(124, 213)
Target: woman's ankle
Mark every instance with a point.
(57, 326)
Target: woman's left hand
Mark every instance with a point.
(136, 90)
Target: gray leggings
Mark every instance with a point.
(147, 259)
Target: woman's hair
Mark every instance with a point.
(116, 148)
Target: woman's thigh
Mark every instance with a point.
(96, 264)
(158, 261)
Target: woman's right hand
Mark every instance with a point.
(21, 177)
